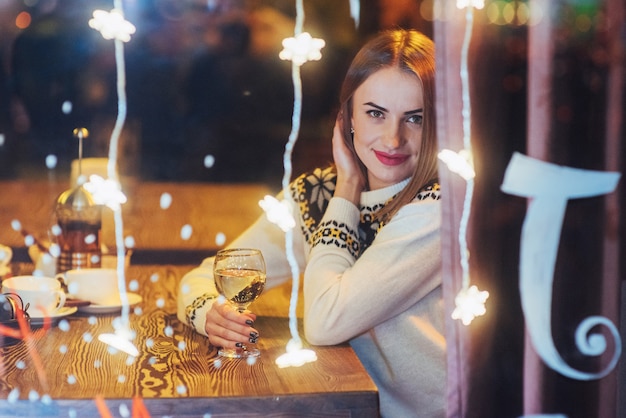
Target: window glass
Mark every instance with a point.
(208, 97)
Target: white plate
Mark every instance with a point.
(65, 311)
(133, 299)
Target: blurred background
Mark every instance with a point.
(203, 79)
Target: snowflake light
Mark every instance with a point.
(295, 356)
(470, 303)
(105, 191)
(462, 4)
(458, 162)
(112, 25)
(302, 48)
(278, 212)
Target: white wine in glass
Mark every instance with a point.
(240, 277)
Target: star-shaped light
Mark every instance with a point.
(470, 303)
(278, 212)
(458, 162)
(112, 25)
(105, 192)
(477, 4)
(295, 356)
(302, 48)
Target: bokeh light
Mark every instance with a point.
(514, 13)
(23, 20)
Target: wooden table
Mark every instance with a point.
(175, 373)
(210, 209)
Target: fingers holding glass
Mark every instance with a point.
(240, 278)
(226, 327)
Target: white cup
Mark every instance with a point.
(42, 296)
(96, 285)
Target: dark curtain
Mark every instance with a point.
(552, 91)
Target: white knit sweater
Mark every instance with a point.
(377, 287)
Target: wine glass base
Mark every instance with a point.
(239, 352)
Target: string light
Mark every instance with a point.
(278, 212)
(302, 48)
(460, 162)
(355, 11)
(105, 192)
(113, 25)
(469, 302)
(295, 356)
(299, 50)
(119, 341)
(477, 4)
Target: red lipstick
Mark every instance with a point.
(391, 159)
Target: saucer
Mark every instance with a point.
(38, 321)
(133, 299)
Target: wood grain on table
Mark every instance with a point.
(177, 373)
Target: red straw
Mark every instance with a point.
(139, 409)
(102, 407)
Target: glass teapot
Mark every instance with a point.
(80, 226)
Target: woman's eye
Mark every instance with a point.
(417, 119)
(375, 113)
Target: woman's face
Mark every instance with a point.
(388, 110)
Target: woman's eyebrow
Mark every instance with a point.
(382, 109)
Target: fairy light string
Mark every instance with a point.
(469, 302)
(113, 25)
(299, 49)
(355, 11)
(467, 119)
(295, 342)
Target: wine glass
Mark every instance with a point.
(240, 277)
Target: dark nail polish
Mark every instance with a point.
(238, 345)
(254, 334)
(253, 340)
(249, 322)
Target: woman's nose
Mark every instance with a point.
(392, 137)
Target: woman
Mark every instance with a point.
(369, 240)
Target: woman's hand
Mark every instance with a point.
(350, 179)
(228, 328)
